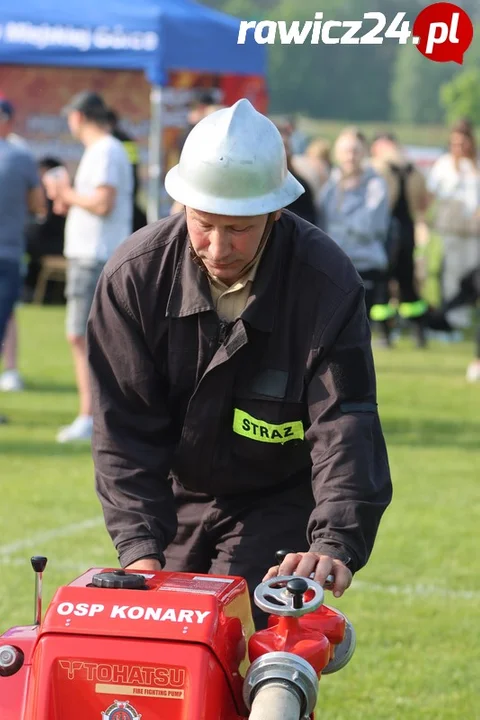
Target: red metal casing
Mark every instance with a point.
(176, 649)
(13, 690)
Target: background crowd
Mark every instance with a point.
(365, 192)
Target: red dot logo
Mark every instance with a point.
(444, 32)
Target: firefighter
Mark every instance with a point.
(408, 200)
(131, 148)
(441, 318)
(234, 393)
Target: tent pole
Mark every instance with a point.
(154, 154)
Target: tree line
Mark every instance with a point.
(362, 83)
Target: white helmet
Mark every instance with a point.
(234, 163)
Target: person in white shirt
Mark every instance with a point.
(99, 219)
(454, 182)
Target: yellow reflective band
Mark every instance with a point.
(380, 313)
(250, 427)
(131, 148)
(413, 309)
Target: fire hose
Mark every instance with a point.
(276, 700)
(280, 685)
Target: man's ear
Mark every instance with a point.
(278, 215)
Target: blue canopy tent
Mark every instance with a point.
(156, 36)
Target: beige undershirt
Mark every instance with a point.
(230, 301)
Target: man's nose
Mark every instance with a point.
(219, 248)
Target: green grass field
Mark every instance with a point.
(416, 607)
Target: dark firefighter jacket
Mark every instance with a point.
(286, 392)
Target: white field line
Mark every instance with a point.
(412, 591)
(417, 590)
(34, 542)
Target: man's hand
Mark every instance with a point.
(100, 202)
(54, 181)
(59, 207)
(145, 565)
(318, 566)
(66, 194)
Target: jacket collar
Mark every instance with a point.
(190, 293)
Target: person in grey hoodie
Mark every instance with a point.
(354, 210)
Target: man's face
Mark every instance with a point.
(383, 147)
(460, 145)
(349, 154)
(74, 120)
(225, 244)
(6, 126)
(197, 113)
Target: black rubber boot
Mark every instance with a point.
(420, 332)
(437, 320)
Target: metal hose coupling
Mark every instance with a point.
(286, 668)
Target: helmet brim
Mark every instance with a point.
(180, 190)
